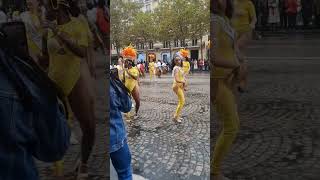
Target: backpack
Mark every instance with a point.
(39, 94)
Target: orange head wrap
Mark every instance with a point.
(129, 52)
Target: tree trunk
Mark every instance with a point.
(201, 48)
(118, 51)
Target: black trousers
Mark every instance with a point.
(318, 20)
(292, 19)
(283, 19)
(306, 17)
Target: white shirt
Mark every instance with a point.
(92, 15)
(3, 17)
(159, 64)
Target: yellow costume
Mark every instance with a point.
(224, 100)
(64, 67)
(179, 90)
(243, 15)
(130, 82)
(151, 69)
(186, 67)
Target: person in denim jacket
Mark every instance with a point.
(37, 129)
(120, 155)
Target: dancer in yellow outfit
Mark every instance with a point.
(185, 64)
(151, 65)
(67, 47)
(224, 75)
(178, 87)
(34, 31)
(131, 76)
(243, 21)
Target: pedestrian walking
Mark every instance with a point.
(307, 11)
(265, 14)
(159, 68)
(317, 12)
(283, 14)
(195, 63)
(274, 14)
(292, 9)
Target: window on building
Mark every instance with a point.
(141, 45)
(150, 45)
(166, 44)
(148, 8)
(176, 43)
(182, 43)
(194, 42)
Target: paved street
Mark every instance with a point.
(280, 127)
(162, 149)
(98, 161)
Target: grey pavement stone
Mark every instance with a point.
(160, 144)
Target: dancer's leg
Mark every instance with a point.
(82, 106)
(136, 97)
(227, 113)
(181, 100)
(243, 42)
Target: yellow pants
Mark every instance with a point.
(226, 109)
(180, 93)
(151, 72)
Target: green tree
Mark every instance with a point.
(122, 15)
(200, 21)
(143, 28)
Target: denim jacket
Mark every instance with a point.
(120, 101)
(38, 131)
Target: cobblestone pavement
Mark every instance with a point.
(280, 127)
(98, 162)
(162, 149)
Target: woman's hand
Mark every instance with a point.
(252, 26)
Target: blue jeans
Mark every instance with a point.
(121, 161)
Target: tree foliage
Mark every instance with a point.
(171, 20)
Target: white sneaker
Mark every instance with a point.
(137, 177)
(73, 139)
(224, 178)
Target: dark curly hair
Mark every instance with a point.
(215, 8)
